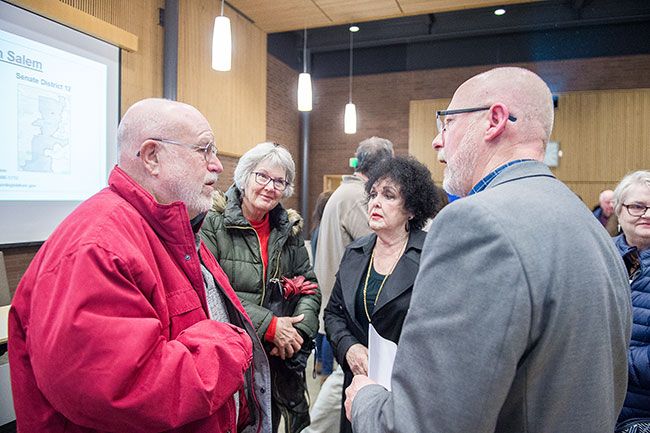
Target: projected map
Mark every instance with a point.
(43, 130)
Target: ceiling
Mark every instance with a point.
(285, 15)
(528, 32)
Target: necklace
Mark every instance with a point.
(381, 286)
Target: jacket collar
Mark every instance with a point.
(519, 171)
(403, 275)
(352, 178)
(171, 222)
(402, 278)
(625, 249)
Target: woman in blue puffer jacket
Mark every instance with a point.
(632, 206)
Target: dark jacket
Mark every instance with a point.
(234, 242)
(637, 399)
(610, 223)
(343, 329)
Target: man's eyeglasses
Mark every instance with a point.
(636, 210)
(208, 150)
(263, 179)
(440, 116)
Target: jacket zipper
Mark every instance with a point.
(259, 244)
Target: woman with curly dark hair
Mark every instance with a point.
(375, 279)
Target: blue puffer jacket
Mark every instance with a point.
(637, 400)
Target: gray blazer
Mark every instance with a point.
(519, 319)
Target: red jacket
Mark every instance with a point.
(108, 328)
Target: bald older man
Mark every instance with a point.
(520, 315)
(605, 212)
(124, 321)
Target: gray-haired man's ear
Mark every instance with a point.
(148, 153)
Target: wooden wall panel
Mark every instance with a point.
(602, 134)
(141, 71)
(234, 102)
(85, 22)
(16, 262)
(422, 129)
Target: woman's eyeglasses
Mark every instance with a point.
(636, 210)
(263, 179)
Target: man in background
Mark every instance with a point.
(605, 212)
(520, 317)
(345, 218)
(124, 321)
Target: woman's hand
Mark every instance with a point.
(357, 358)
(287, 339)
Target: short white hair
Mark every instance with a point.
(275, 154)
(641, 177)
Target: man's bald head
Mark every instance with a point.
(606, 202)
(153, 117)
(523, 92)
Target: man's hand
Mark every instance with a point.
(287, 339)
(358, 382)
(357, 358)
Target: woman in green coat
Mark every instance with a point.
(260, 246)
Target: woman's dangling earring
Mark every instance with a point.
(408, 224)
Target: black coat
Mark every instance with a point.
(343, 329)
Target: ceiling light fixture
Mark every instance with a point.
(350, 116)
(221, 43)
(304, 81)
(499, 12)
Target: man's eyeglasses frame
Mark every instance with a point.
(208, 150)
(441, 113)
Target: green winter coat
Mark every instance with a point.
(235, 244)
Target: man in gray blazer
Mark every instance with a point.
(520, 315)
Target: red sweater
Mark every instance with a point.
(263, 229)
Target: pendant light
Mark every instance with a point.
(350, 116)
(221, 43)
(304, 81)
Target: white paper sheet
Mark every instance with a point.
(381, 356)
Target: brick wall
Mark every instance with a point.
(383, 102)
(283, 117)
